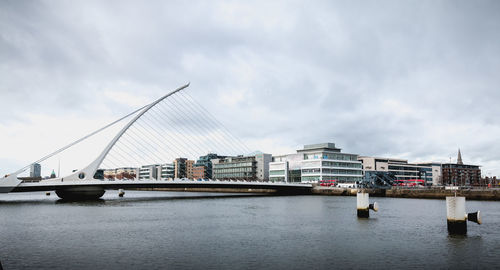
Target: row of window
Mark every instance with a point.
(340, 179)
(336, 171)
(233, 165)
(331, 156)
(233, 175)
(342, 164)
(315, 170)
(277, 179)
(332, 171)
(404, 168)
(234, 170)
(280, 172)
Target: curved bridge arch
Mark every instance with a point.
(10, 181)
(89, 171)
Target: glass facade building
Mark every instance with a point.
(238, 168)
(203, 167)
(35, 170)
(248, 168)
(316, 162)
(404, 172)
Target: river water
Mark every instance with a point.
(176, 230)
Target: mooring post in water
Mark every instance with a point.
(456, 216)
(364, 206)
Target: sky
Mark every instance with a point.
(406, 79)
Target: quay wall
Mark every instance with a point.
(492, 194)
(469, 194)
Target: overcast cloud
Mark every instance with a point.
(408, 79)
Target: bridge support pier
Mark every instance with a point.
(80, 193)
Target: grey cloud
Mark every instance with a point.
(308, 73)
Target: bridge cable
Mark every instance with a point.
(226, 138)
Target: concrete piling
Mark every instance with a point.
(456, 217)
(364, 206)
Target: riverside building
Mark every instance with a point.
(315, 163)
(128, 173)
(166, 171)
(148, 172)
(248, 168)
(404, 172)
(35, 170)
(461, 174)
(183, 168)
(203, 167)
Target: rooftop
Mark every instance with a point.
(330, 146)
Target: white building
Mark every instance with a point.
(315, 163)
(148, 172)
(166, 171)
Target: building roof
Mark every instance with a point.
(457, 165)
(319, 146)
(388, 159)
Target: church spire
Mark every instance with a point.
(459, 158)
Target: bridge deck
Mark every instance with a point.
(124, 184)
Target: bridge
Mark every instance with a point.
(172, 126)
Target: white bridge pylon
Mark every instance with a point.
(172, 126)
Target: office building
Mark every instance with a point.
(35, 170)
(405, 173)
(148, 172)
(189, 169)
(183, 168)
(166, 171)
(286, 168)
(180, 168)
(248, 168)
(202, 169)
(262, 170)
(199, 172)
(315, 163)
(436, 172)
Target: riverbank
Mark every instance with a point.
(491, 194)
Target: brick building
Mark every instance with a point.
(461, 174)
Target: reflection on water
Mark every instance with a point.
(131, 196)
(176, 230)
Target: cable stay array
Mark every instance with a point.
(174, 127)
